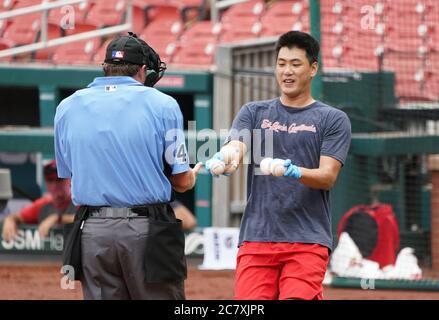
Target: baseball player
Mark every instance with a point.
(53, 208)
(285, 234)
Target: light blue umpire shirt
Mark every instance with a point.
(111, 139)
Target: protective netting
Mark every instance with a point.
(380, 63)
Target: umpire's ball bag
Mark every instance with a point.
(164, 256)
(71, 255)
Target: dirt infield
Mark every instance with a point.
(30, 280)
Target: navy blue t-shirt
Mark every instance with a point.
(282, 209)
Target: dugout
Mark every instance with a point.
(30, 94)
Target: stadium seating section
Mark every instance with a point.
(401, 36)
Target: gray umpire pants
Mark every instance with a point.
(113, 253)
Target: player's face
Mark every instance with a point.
(59, 189)
(294, 72)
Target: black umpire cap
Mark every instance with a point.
(130, 49)
(127, 49)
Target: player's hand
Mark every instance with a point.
(47, 224)
(9, 229)
(209, 164)
(216, 156)
(292, 170)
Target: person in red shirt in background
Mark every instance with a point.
(55, 207)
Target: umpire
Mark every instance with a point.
(122, 144)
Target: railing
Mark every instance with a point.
(44, 43)
(218, 5)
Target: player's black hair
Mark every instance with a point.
(301, 40)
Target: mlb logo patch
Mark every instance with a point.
(111, 88)
(117, 54)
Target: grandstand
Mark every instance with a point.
(402, 38)
(380, 64)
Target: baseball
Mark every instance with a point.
(217, 167)
(277, 167)
(229, 153)
(265, 166)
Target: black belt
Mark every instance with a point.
(128, 212)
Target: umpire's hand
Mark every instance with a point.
(185, 181)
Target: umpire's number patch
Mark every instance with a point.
(181, 157)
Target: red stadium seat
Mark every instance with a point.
(366, 46)
(164, 46)
(106, 13)
(411, 7)
(162, 35)
(242, 31)
(251, 10)
(171, 9)
(406, 27)
(287, 8)
(25, 3)
(6, 5)
(402, 63)
(139, 18)
(338, 27)
(350, 51)
(80, 52)
(413, 45)
(3, 25)
(408, 91)
(432, 14)
(346, 60)
(179, 5)
(80, 28)
(411, 76)
(168, 12)
(151, 2)
(334, 10)
(353, 62)
(431, 87)
(202, 31)
(282, 25)
(195, 54)
(150, 10)
(162, 28)
(99, 56)
(167, 2)
(23, 30)
(5, 44)
(53, 32)
(202, 36)
(190, 9)
(283, 16)
(77, 12)
(433, 62)
(189, 3)
(329, 41)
